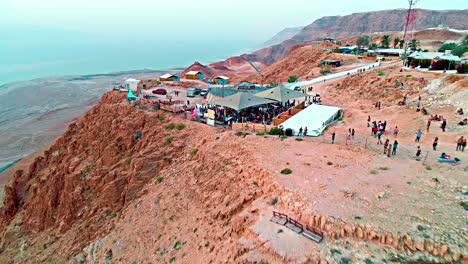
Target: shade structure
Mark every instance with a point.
(280, 94)
(315, 117)
(240, 101)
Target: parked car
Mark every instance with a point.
(160, 91)
(191, 92)
(204, 92)
(198, 90)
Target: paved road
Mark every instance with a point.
(373, 66)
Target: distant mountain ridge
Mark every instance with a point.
(281, 36)
(363, 23)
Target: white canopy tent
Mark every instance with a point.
(315, 117)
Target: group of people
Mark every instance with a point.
(377, 128)
(378, 105)
(302, 132)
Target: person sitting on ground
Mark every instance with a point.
(424, 111)
(444, 156)
(460, 111)
(464, 122)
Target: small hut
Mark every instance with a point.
(221, 80)
(169, 78)
(194, 75)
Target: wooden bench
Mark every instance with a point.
(313, 234)
(279, 218)
(294, 225)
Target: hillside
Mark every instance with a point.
(380, 21)
(361, 23)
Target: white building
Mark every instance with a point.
(132, 84)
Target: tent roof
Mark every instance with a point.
(193, 72)
(433, 55)
(314, 117)
(280, 94)
(222, 77)
(131, 80)
(240, 101)
(165, 76)
(130, 94)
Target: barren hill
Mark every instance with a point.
(128, 184)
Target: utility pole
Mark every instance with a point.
(409, 20)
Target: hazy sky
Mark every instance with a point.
(251, 19)
(41, 38)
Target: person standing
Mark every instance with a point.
(379, 138)
(428, 125)
(333, 137)
(368, 121)
(436, 142)
(305, 131)
(444, 125)
(352, 133)
(395, 146)
(418, 136)
(396, 131)
(300, 132)
(418, 153)
(460, 143)
(387, 142)
(463, 145)
(348, 135)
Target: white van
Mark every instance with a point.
(191, 92)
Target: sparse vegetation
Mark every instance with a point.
(292, 79)
(429, 168)
(170, 126)
(335, 251)
(128, 161)
(217, 138)
(171, 218)
(421, 228)
(172, 260)
(373, 172)
(329, 163)
(283, 137)
(159, 179)
(380, 73)
(180, 126)
(260, 134)
(368, 261)
(286, 171)
(341, 118)
(177, 245)
(244, 134)
(195, 230)
(274, 201)
(194, 151)
(383, 168)
(408, 76)
(464, 205)
(274, 131)
(357, 217)
(169, 140)
(299, 139)
(325, 70)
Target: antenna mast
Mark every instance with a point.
(409, 21)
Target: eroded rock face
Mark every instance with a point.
(97, 164)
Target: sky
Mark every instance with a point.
(40, 38)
